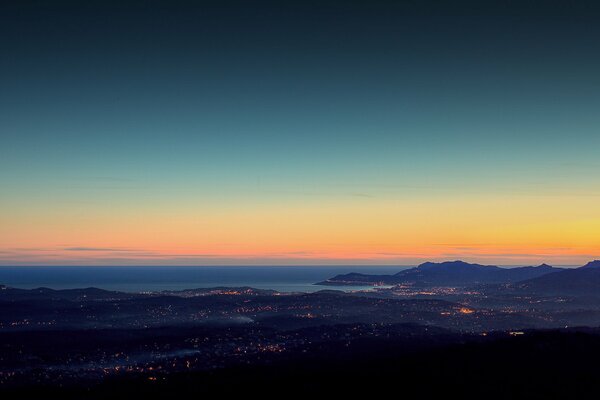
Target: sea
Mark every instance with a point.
(155, 279)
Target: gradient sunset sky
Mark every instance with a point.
(278, 133)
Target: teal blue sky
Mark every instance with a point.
(348, 95)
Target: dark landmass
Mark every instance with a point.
(592, 265)
(529, 338)
(99, 309)
(536, 365)
(543, 365)
(455, 273)
(580, 281)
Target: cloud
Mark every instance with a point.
(111, 249)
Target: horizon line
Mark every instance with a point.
(279, 265)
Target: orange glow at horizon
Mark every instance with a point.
(509, 230)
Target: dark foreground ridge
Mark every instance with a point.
(536, 365)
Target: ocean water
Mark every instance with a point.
(137, 279)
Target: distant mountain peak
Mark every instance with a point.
(444, 263)
(544, 265)
(592, 264)
(448, 264)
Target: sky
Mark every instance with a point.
(297, 133)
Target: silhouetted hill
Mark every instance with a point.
(536, 365)
(592, 264)
(580, 281)
(43, 293)
(449, 273)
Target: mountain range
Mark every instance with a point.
(580, 281)
(451, 273)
